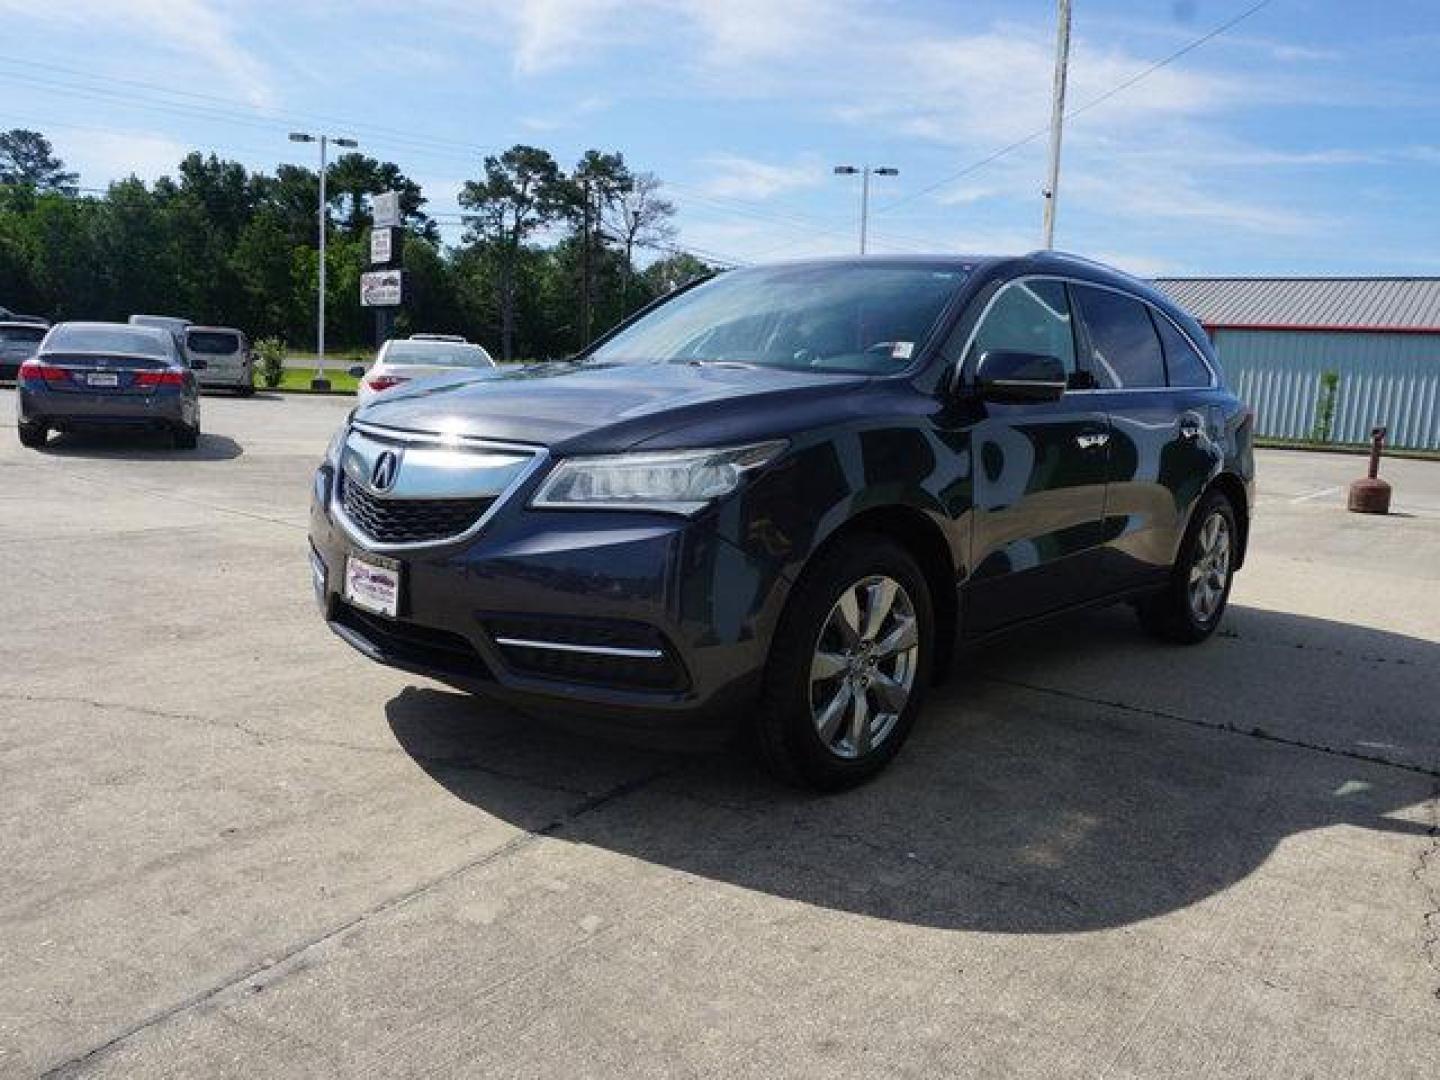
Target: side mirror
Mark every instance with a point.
(1019, 376)
(356, 371)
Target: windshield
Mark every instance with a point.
(212, 342)
(129, 340)
(21, 333)
(840, 317)
(437, 354)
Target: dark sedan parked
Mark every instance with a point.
(18, 342)
(782, 497)
(93, 374)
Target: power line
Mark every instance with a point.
(1118, 88)
(231, 106)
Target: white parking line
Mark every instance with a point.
(1318, 494)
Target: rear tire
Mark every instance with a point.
(848, 667)
(33, 435)
(1190, 607)
(186, 437)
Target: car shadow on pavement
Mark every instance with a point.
(139, 446)
(1018, 806)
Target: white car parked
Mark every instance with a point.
(402, 359)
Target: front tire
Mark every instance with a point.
(33, 436)
(849, 666)
(1190, 607)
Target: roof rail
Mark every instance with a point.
(1054, 253)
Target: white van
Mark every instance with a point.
(226, 353)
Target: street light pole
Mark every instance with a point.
(318, 381)
(1057, 120)
(865, 173)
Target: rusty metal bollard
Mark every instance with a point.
(1371, 495)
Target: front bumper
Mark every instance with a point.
(643, 623)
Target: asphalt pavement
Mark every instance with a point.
(232, 846)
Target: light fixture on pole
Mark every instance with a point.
(865, 173)
(1057, 120)
(319, 381)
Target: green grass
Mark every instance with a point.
(296, 378)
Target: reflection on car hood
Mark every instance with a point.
(553, 403)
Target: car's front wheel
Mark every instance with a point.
(849, 665)
(1190, 607)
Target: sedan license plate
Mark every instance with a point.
(102, 378)
(373, 584)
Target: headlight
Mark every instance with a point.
(673, 481)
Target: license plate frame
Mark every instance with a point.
(105, 380)
(374, 583)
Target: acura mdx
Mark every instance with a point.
(779, 500)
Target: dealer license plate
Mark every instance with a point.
(373, 585)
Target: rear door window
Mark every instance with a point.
(1182, 362)
(212, 342)
(1125, 352)
(1030, 317)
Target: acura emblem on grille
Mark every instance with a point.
(382, 476)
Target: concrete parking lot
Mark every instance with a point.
(230, 845)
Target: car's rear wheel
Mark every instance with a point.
(1190, 607)
(849, 666)
(33, 435)
(186, 436)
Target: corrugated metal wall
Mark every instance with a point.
(1384, 378)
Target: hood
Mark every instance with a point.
(592, 407)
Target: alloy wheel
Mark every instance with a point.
(1210, 570)
(864, 665)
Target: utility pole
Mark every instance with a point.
(864, 173)
(1057, 120)
(319, 381)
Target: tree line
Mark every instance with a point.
(548, 259)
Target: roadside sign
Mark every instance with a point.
(382, 247)
(381, 288)
(387, 209)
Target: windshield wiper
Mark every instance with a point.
(741, 364)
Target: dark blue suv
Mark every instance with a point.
(778, 500)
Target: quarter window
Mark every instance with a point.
(1029, 317)
(1182, 362)
(1124, 351)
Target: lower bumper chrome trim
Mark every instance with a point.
(593, 650)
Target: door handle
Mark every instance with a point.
(1092, 439)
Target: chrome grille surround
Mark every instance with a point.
(445, 489)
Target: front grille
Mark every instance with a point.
(408, 521)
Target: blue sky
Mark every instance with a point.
(1304, 140)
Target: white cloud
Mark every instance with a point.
(200, 33)
(102, 155)
(732, 176)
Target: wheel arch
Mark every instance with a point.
(925, 540)
(1233, 488)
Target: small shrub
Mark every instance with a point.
(1325, 407)
(270, 352)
